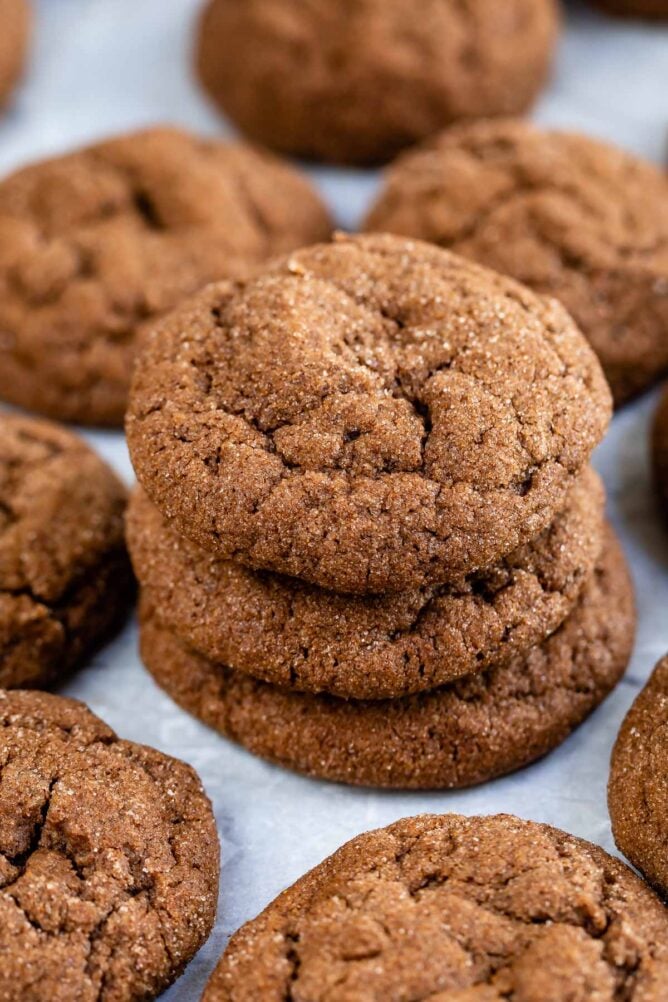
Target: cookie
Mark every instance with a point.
(465, 733)
(455, 909)
(14, 31)
(354, 83)
(638, 788)
(375, 647)
(636, 8)
(659, 450)
(65, 579)
(567, 215)
(108, 858)
(95, 244)
(369, 415)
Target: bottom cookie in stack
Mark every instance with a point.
(460, 734)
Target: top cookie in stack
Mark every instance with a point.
(369, 543)
(369, 415)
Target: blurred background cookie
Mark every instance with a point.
(567, 215)
(95, 244)
(15, 19)
(353, 83)
(65, 578)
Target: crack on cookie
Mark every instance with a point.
(590, 905)
(344, 446)
(318, 642)
(183, 806)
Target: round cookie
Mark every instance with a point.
(97, 243)
(455, 909)
(298, 636)
(14, 31)
(659, 448)
(466, 733)
(353, 83)
(65, 578)
(638, 788)
(370, 415)
(567, 215)
(108, 858)
(635, 8)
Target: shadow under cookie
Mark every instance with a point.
(456, 736)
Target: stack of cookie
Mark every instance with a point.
(369, 542)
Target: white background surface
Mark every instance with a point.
(100, 66)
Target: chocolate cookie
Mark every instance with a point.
(638, 789)
(14, 31)
(95, 244)
(370, 415)
(355, 82)
(374, 647)
(569, 216)
(65, 579)
(659, 448)
(455, 909)
(635, 8)
(108, 858)
(465, 733)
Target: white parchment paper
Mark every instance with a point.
(100, 66)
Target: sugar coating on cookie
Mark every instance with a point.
(14, 33)
(455, 909)
(638, 789)
(356, 82)
(468, 732)
(108, 858)
(367, 647)
(567, 215)
(95, 244)
(369, 415)
(65, 579)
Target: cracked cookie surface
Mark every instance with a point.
(567, 215)
(108, 858)
(452, 909)
(461, 734)
(638, 788)
(354, 82)
(97, 243)
(369, 415)
(65, 579)
(14, 31)
(374, 647)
